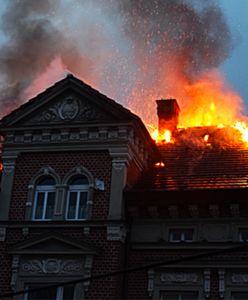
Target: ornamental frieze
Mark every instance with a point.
(240, 278)
(52, 266)
(67, 110)
(179, 277)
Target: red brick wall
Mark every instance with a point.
(137, 282)
(110, 256)
(28, 164)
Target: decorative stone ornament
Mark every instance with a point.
(68, 109)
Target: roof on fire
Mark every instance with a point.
(189, 165)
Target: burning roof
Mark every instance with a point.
(192, 168)
(198, 157)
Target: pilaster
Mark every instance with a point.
(9, 161)
(120, 161)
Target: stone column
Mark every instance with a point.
(7, 184)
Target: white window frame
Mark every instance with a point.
(46, 189)
(182, 235)
(82, 188)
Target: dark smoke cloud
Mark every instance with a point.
(32, 43)
(117, 41)
(195, 32)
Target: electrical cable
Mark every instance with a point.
(129, 270)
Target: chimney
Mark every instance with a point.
(168, 111)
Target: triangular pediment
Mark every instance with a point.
(69, 101)
(53, 244)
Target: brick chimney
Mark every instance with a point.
(168, 112)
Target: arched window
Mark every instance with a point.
(44, 199)
(77, 198)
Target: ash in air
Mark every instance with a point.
(129, 50)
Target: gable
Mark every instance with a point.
(53, 243)
(68, 101)
(67, 108)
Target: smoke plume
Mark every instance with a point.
(133, 51)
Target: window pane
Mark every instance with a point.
(175, 234)
(50, 205)
(188, 234)
(82, 206)
(181, 234)
(68, 292)
(72, 205)
(46, 293)
(39, 205)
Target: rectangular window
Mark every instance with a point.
(171, 295)
(43, 205)
(239, 296)
(243, 234)
(181, 235)
(77, 205)
(56, 293)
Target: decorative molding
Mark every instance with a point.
(150, 287)
(66, 110)
(207, 283)
(214, 210)
(194, 211)
(2, 233)
(234, 209)
(116, 233)
(173, 211)
(240, 278)
(14, 268)
(52, 266)
(79, 170)
(153, 211)
(87, 230)
(25, 231)
(179, 277)
(44, 171)
(221, 283)
(87, 270)
(118, 165)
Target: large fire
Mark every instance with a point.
(151, 50)
(207, 102)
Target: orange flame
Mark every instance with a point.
(160, 164)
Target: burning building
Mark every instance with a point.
(86, 192)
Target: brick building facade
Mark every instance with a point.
(82, 195)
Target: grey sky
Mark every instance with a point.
(236, 67)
